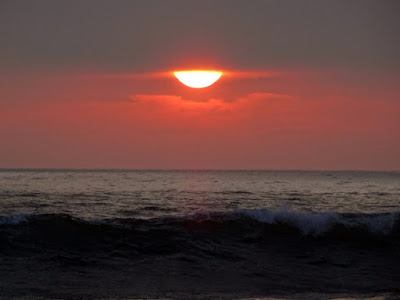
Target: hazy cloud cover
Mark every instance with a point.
(89, 84)
(148, 35)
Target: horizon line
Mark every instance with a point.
(194, 169)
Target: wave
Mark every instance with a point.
(282, 220)
(205, 235)
(317, 224)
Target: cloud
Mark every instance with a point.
(236, 74)
(174, 99)
(170, 103)
(259, 96)
(249, 128)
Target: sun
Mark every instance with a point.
(198, 78)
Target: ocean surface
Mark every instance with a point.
(199, 234)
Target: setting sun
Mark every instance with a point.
(198, 79)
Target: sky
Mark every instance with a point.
(306, 84)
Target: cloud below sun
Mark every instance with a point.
(289, 120)
(211, 105)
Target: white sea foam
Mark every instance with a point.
(319, 223)
(309, 223)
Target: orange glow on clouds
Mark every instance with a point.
(250, 119)
(198, 79)
(235, 74)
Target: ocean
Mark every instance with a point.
(199, 234)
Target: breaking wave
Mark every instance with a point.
(284, 221)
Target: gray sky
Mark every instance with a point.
(150, 35)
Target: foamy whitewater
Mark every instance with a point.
(199, 234)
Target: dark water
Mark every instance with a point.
(199, 234)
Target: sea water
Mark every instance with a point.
(199, 234)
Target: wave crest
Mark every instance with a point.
(281, 220)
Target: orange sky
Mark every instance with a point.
(302, 119)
